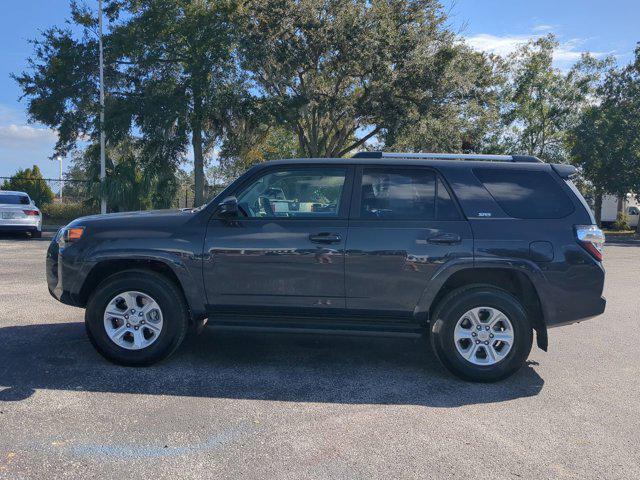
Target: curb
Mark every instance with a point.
(613, 239)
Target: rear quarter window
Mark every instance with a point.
(526, 194)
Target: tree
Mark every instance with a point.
(592, 148)
(131, 183)
(629, 104)
(340, 73)
(30, 181)
(469, 121)
(605, 143)
(246, 145)
(541, 103)
(167, 64)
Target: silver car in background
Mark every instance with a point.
(18, 213)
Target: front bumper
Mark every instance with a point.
(63, 274)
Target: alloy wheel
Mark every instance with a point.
(133, 320)
(484, 336)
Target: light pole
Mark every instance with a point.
(61, 181)
(103, 170)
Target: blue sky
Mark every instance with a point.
(609, 27)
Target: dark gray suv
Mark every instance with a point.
(477, 251)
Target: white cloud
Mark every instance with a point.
(544, 28)
(20, 133)
(567, 53)
(23, 145)
(500, 45)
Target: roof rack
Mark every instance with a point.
(451, 156)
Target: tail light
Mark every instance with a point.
(33, 213)
(592, 239)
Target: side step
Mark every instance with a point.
(318, 326)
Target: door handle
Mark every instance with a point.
(325, 238)
(445, 239)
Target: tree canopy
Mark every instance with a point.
(605, 142)
(249, 80)
(30, 181)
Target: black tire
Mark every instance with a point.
(170, 300)
(454, 306)
(36, 234)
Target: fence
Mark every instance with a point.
(48, 189)
(64, 200)
(60, 201)
(186, 196)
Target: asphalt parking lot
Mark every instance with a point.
(280, 406)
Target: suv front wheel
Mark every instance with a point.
(481, 333)
(136, 318)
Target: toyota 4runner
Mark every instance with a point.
(477, 251)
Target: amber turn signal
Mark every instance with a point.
(73, 234)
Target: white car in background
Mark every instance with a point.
(18, 213)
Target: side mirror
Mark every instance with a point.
(228, 207)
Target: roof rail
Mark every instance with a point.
(451, 156)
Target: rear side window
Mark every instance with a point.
(526, 194)
(404, 194)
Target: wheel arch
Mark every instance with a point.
(512, 280)
(104, 268)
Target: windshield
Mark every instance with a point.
(13, 199)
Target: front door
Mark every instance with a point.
(286, 249)
(404, 227)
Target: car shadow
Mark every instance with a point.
(22, 237)
(283, 367)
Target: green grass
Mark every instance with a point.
(619, 232)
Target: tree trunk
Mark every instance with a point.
(198, 165)
(620, 205)
(597, 207)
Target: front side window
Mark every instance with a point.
(305, 192)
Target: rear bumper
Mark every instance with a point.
(19, 228)
(587, 308)
(576, 294)
(29, 224)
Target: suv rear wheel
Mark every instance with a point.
(481, 333)
(136, 318)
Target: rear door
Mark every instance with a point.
(404, 226)
(287, 249)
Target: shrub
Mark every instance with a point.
(622, 222)
(63, 213)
